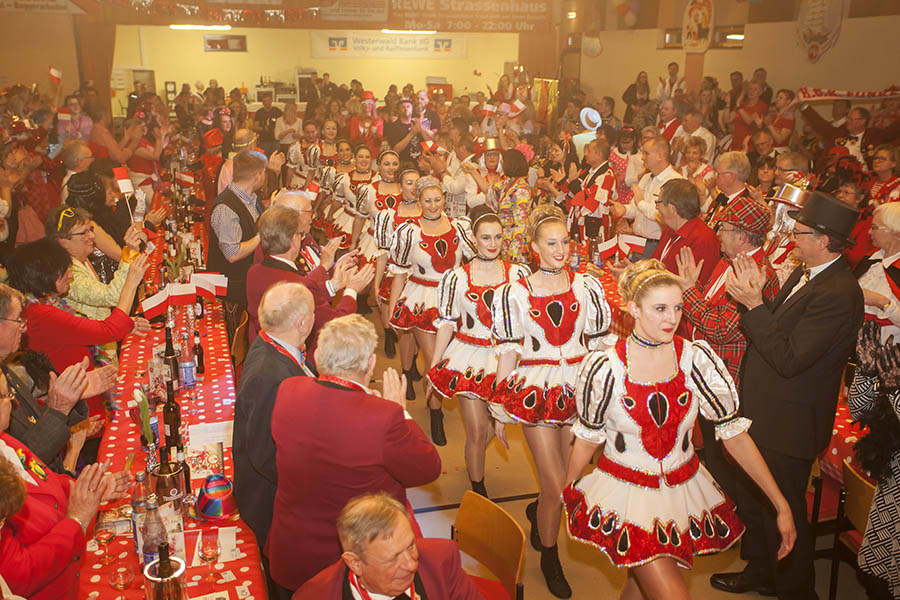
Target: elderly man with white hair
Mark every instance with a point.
(336, 439)
(286, 315)
(383, 559)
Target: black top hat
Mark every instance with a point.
(826, 214)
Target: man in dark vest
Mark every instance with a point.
(232, 233)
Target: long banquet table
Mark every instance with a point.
(241, 577)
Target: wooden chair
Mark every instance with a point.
(240, 343)
(491, 536)
(822, 493)
(853, 514)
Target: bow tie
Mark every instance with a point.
(853, 138)
(806, 273)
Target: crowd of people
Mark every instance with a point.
(473, 230)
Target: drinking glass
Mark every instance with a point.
(121, 576)
(210, 551)
(104, 533)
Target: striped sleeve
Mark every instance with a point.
(594, 388)
(597, 313)
(467, 239)
(384, 229)
(709, 380)
(402, 248)
(506, 317)
(362, 205)
(448, 299)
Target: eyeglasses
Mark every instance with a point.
(20, 321)
(879, 228)
(721, 228)
(795, 233)
(85, 232)
(881, 157)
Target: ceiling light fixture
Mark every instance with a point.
(735, 36)
(201, 27)
(572, 14)
(409, 31)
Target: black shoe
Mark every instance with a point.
(478, 487)
(410, 390)
(390, 343)
(740, 583)
(531, 513)
(553, 573)
(438, 437)
(413, 373)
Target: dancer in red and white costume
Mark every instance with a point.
(649, 504)
(383, 192)
(885, 183)
(539, 328)
(464, 362)
(345, 186)
(423, 251)
(386, 223)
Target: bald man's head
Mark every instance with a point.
(299, 202)
(285, 308)
(244, 138)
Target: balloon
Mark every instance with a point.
(630, 19)
(622, 9)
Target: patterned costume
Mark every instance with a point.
(386, 223)
(469, 364)
(511, 199)
(649, 496)
(370, 200)
(885, 191)
(425, 258)
(547, 333)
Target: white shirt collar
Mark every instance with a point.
(293, 350)
(284, 260)
(886, 261)
(736, 194)
(813, 271)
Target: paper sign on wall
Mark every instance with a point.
(363, 44)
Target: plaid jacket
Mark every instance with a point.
(717, 320)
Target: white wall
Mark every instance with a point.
(276, 53)
(864, 58)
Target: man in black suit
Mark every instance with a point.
(790, 377)
(286, 316)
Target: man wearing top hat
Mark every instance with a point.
(798, 346)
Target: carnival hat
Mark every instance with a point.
(826, 214)
(368, 96)
(748, 214)
(491, 144)
(213, 138)
(590, 118)
(216, 498)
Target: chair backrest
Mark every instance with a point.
(491, 536)
(860, 492)
(239, 344)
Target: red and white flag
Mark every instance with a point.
(608, 249)
(631, 243)
(63, 114)
(217, 280)
(430, 146)
(204, 287)
(185, 178)
(313, 187)
(123, 179)
(517, 108)
(489, 108)
(55, 75)
(155, 305)
(181, 293)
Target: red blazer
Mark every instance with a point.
(66, 338)
(270, 271)
(332, 444)
(440, 573)
(699, 237)
(40, 549)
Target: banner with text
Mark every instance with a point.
(501, 16)
(348, 44)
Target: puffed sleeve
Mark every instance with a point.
(384, 229)
(467, 239)
(449, 291)
(401, 249)
(506, 316)
(594, 390)
(365, 198)
(313, 153)
(517, 272)
(711, 383)
(295, 156)
(597, 313)
(329, 180)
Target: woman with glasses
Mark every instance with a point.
(42, 270)
(73, 124)
(886, 184)
(880, 272)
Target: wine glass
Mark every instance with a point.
(121, 576)
(210, 551)
(104, 533)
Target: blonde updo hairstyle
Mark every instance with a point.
(643, 276)
(423, 183)
(542, 215)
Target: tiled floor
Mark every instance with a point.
(511, 473)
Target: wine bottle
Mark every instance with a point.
(139, 505)
(179, 457)
(169, 355)
(166, 569)
(198, 308)
(186, 364)
(198, 353)
(171, 418)
(169, 588)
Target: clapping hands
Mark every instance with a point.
(746, 283)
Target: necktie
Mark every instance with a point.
(853, 138)
(720, 201)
